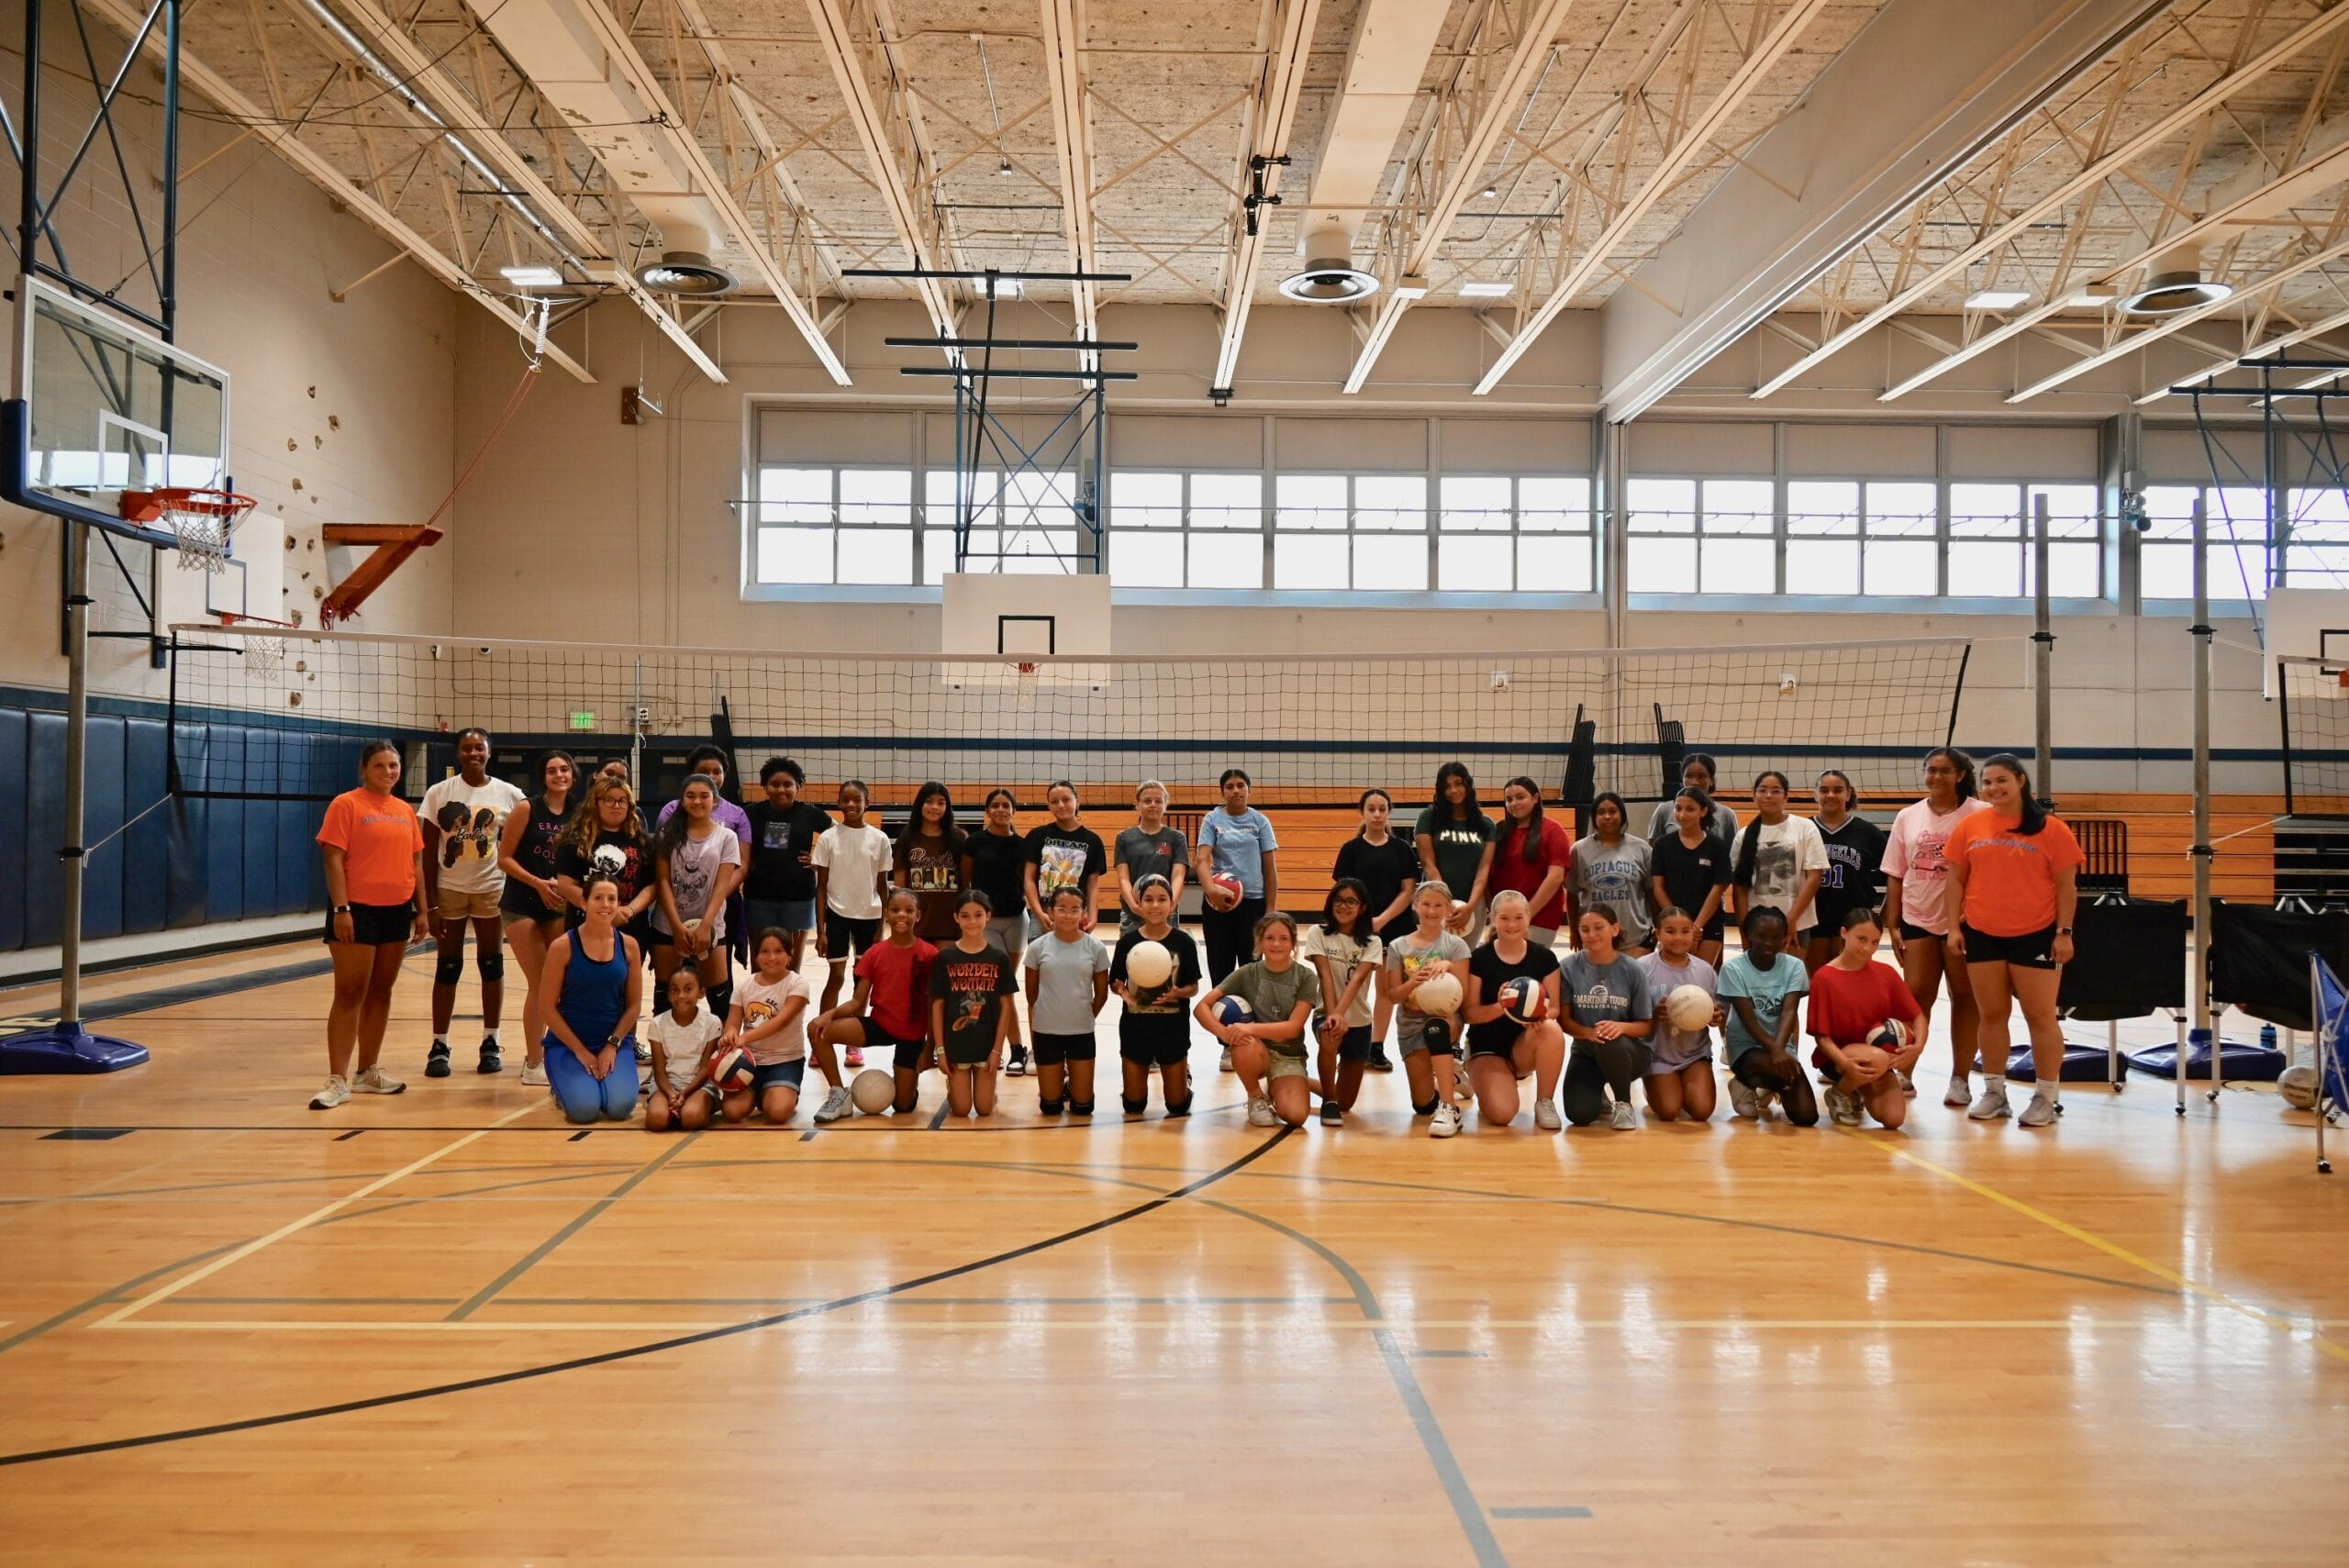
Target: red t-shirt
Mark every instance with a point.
(900, 1000)
(2010, 879)
(1511, 875)
(379, 840)
(1847, 1004)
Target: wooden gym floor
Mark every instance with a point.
(445, 1326)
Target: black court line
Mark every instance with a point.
(577, 1223)
(346, 1137)
(85, 1134)
(656, 1347)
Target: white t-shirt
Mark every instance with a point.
(470, 818)
(681, 1045)
(856, 857)
(692, 874)
(1345, 955)
(1782, 854)
(760, 1002)
(1912, 851)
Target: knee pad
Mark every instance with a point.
(1180, 1107)
(1051, 1107)
(1080, 1107)
(448, 967)
(721, 998)
(1134, 1106)
(491, 961)
(1427, 1109)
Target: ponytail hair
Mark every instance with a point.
(1704, 807)
(1749, 843)
(2034, 811)
(1529, 848)
(1966, 786)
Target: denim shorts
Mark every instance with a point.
(783, 915)
(784, 1075)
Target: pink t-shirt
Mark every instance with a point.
(1912, 851)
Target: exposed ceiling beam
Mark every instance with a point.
(2090, 174)
(271, 129)
(2276, 345)
(1494, 87)
(1750, 75)
(1072, 137)
(1271, 116)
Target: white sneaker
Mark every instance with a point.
(1445, 1122)
(836, 1104)
(643, 1051)
(338, 1090)
(2042, 1112)
(534, 1074)
(1626, 1118)
(1842, 1106)
(1260, 1113)
(1545, 1116)
(1762, 1100)
(1743, 1102)
(1907, 1085)
(1991, 1107)
(1960, 1093)
(1225, 1065)
(371, 1081)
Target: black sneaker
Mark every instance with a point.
(492, 1058)
(1379, 1061)
(1016, 1066)
(436, 1063)
(1332, 1114)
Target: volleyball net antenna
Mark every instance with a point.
(277, 723)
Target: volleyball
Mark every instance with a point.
(1229, 1010)
(1439, 995)
(1892, 1035)
(732, 1070)
(1689, 1008)
(872, 1090)
(2297, 1085)
(1226, 885)
(1523, 1000)
(1149, 963)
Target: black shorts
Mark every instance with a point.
(964, 1048)
(520, 903)
(1499, 1038)
(2033, 949)
(1910, 933)
(845, 937)
(1154, 1040)
(1059, 1050)
(1353, 1047)
(374, 925)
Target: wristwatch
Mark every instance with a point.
(340, 910)
(2062, 931)
(613, 1040)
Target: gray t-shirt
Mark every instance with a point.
(1065, 973)
(1617, 876)
(1275, 997)
(1406, 956)
(1149, 854)
(693, 875)
(1595, 993)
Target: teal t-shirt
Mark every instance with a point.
(1275, 997)
(1767, 989)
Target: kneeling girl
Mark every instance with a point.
(1153, 1030)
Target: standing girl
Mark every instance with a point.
(1852, 998)
(970, 1007)
(928, 858)
(606, 838)
(696, 864)
(1690, 871)
(1067, 981)
(1916, 909)
(1503, 1049)
(463, 819)
(995, 861)
(851, 861)
(769, 1020)
(1456, 843)
(1854, 849)
(1064, 853)
(1152, 1028)
(532, 904)
(1608, 1017)
(1427, 1040)
(1610, 867)
(594, 987)
(1531, 855)
(1268, 1047)
(1344, 952)
(1779, 860)
(1388, 870)
(1697, 773)
(2014, 884)
(1236, 840)
(373, 853)
(1680, 1076)
(889, 1008)
(1149, 847)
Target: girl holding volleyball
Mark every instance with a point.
(1854, 999)
(1267, 1040)
(1510, 1033)
(1427, 1039)
(1155, 971)
(532, 904)
(1680, 1076)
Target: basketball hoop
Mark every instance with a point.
(202, 520)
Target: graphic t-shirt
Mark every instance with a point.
(534, 852)
(853, 860)
(762, 1001)
(1345, 954)
(1849, 1005)
(1675, 1048)
(1149, 854)
(2010, 876)
(1152, 1003)
(1274, 995)
(681, 1045)
(1407, 955)
(973, 985)
(1492, 971)
(1769, 989)
(1597, 993)
(1459, 848)
(1782, 854)
(622, 856)
(1510, 874)
(782, 846)
(1691, 875)
(899, 1001)
(722, 811)
(470, 818)
(1384, 870)
(1616, 874)
(1853, 880)
(1912, 851)
(931, 865)
(692, 874)
(379, 837)
(1239, 845)
(999, 869)
(1065, 973)
(1064, 857)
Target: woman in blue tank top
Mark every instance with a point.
(593, 986)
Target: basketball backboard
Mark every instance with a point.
(1012, 625)
(98, 407)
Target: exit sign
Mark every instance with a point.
(582, 721)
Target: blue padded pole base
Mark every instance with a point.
(68, 1047)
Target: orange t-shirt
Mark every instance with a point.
(2009, 879)
(379, 840)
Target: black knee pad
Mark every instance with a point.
(1181, 1107)
(1051, 1107)
(1134, 1106)
(1427, 1109)
(1080, 1107)
(448, 967)
(491, 961)
(721, 999)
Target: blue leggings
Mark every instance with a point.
(585, 1098)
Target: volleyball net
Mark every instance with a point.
(2313, 706)
(266, 713)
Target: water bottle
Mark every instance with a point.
(2267, 1037)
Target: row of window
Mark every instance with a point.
(1320, 532)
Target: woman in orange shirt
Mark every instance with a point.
(2013, 881)
(375, 859)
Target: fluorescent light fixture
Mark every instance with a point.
(1996, 299)
(2093, 299)
(1480, 290)
(1410, 288)
(535, 277)
(1006, 288)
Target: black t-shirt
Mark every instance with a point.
(1487, 966)
(781, 841)
(1386, 870)
(1064, 857)
(973, 985)
(1689, 874)
(998, 868)
(932, 866)
(1145, 1018)
(624, 858)
(1853, 877)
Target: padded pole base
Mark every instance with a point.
(68, 1047)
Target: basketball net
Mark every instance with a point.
(200, 521)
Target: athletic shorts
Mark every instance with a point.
(963, 1050)
(1911, 932)
(1354, 1046)
(479, 905)
(1499, 1038)
(778, 914)
(784, 1074)
(1010, 933)
(1154, 1040)
(521, 903)
(848, 936)
(1279, 1065)
(1059, 1049)
(710, 1089)
(912, 1054)
(2033, 949)
(1412, 1032)
(374, 925)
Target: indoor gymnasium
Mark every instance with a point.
(1192, 782)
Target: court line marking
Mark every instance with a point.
(239, 1254)
(2305, 1330)
(1543, 1512)
(577, 1223)
(1392, 1326)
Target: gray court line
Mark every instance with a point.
(1448, 1355)
(578, 1223)
(1559, 1512)
(337, 1177)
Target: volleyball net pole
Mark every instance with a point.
(2198, 981)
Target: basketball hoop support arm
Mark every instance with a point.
(393, 542)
